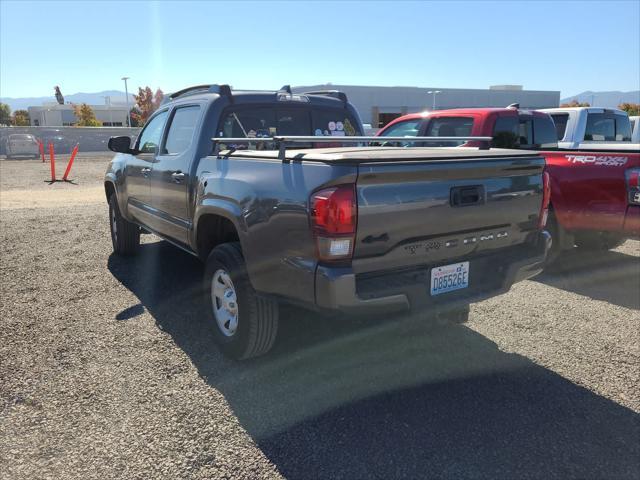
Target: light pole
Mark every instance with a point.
(126, 92)
(433, 92)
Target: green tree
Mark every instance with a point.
(86, 117)
(575, 103)
(632, 109)
(5, 114)
(21, 118)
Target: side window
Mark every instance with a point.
(181, 129)
(544, 132)
(150, 137)
(560, 120)
(408, 128)
(506, 132)
(449, 127)
(623, 129)
(600, 128)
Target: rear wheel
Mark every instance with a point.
(244, 324)
(125, 236)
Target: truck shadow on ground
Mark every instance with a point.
(610, 276)
(383, 398)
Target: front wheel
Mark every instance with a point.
(244, 324)
(125, 236)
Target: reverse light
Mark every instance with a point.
(633, 185)
(333, 220)
(546, 200)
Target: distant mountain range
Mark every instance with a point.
(605, 99)
(88, 98)
(597, 99)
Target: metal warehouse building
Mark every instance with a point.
(379, 105)
(56, 115)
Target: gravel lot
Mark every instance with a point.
(101, 378)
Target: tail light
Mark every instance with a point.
(546, 199)
(334, 214)
(633, 185)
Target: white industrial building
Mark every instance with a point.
(379, 105)
(56, 115)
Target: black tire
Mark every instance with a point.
(256, 316)
(557, 238)
(125, 236)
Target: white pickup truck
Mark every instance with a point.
(635, 129)
(591, 128)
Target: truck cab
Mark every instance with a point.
(585, 128)
(510, 127)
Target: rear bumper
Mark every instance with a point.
(408, 289)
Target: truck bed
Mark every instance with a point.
(356, 155)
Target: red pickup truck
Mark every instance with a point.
(595, 193)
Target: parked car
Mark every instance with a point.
(22, 145)
(358, 230)
(590, 128)
(594, 193)
(635, 129)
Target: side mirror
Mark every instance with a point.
(120, 144)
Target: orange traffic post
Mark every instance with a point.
(53, 163)
(73, 156)
(41, 146)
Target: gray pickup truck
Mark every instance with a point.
(236, 178)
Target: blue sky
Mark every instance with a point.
(87, 46)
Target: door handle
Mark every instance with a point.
(468, 195)
(177, 176)
(145, 171)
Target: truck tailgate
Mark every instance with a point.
(441, 210)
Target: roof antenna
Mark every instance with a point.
(514, 106)
(286, 88)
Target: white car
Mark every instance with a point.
(588, 128)
(22, 144)
(635, 129)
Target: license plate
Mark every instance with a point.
(449, 278)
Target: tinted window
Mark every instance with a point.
(449, 127)
(623, 129)
(600, 128)
(560, 121)
(181, 129)
(267, 122)
(505, 132)
(525, 132)
(544, 133)
(150, 137)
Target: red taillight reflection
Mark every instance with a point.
(333, 210)
(333, 218)
(546, 199)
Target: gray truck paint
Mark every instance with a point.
(405, 216)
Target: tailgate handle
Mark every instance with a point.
(467, 195)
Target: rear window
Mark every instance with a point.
(261, 122)
(544, 133)
(560, 120)
(525, 131)
(623, 129)
(449, 127)
(506, 132)
(600, 128)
